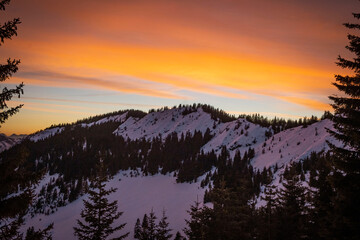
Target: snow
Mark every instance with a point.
(7, 142)
(46, 134)
(52, 131)
(136, 196)
(116, 118)
(165, 122)
(229, 135)
(293, 145)
(285, 147)
(169, 121)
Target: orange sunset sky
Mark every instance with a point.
(84, 57)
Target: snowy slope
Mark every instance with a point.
(52, 131)
(7, 142)
(293, 145)
(285, 147)
(117, 118)
(164, 123)
(236, 135)
(290, 146)
(136, 196)
(45, 134)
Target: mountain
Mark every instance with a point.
(164, 159)
(7, 142)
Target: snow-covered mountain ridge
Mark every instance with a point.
(237, 135)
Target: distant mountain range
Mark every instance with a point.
(7, 142)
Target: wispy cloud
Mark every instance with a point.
(119, 83)
(75, 101)
(308, 102)
(172, 47)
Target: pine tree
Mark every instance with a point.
(346, 158)
(14, 172)
(152, 226)
(163, 231)
(15, 206)
(269, 212)
(149, 230)
(45, 234)
(144, 233)
(137, 229)
(321, 200)
(7, 31)
(99, 214)
(198, 227)
(292, 211)
(178, 236)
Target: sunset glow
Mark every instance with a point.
(82, 58)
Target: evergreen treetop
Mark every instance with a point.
(163, 230)
(150, 230)
(99, 213)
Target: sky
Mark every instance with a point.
(87, 57)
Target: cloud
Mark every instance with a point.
(119, 83)
(308, 102)
(233, 49)
(129, 105)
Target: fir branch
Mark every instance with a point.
(9, 29)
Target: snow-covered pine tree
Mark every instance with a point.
(99, 214)
(346, 159)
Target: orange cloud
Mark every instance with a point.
(129, 105)
(167, 71)
(122, 83)
(309, 103)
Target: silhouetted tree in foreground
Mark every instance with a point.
(346, 159)
(7, 31)
(14, 172)
(99, 214)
